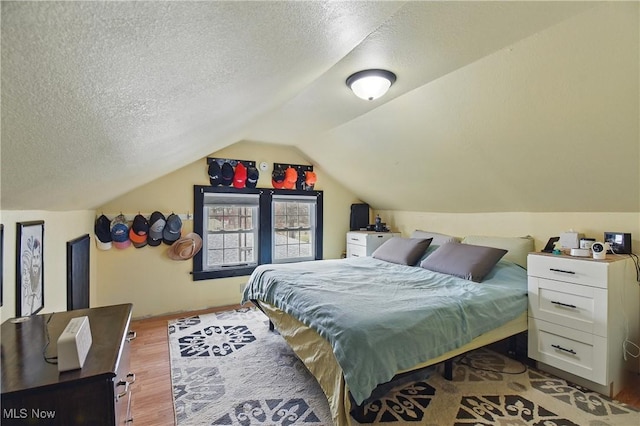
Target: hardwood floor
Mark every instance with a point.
(152, 402)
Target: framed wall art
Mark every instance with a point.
(29, 268)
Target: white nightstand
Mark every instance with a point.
(579, 312)
(363, 243)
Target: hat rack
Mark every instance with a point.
(298, 167)
(233, 162)
(130, 216)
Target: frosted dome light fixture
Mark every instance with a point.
(371, 84)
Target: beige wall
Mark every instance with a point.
(541, 226)
(59, 227)
(156, 284)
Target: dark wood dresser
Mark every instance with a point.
(35, 393)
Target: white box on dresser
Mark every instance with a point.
(363, 243)
(581, 311)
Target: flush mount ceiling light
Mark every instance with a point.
(371, 84)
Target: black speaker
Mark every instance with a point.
(359, 216)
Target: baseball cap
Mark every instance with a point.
(214, 173)
(172, 229)
(139, 231)
(240, 176)
(157, 223)
(290, 178)
(227, 174)
(252, 177)
(277, 178)
(310, 179)
(102, 230)
(120, 232)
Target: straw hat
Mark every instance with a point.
(186, 247)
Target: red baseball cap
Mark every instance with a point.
(310, 178)
(240, 176)
(290, 178)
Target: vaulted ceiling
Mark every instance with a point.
(498, 106)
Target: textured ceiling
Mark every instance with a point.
(99, 98)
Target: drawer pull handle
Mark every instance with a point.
(132, 377)
(564, 304)
(126, 389)
(354, 255)
(571, 351)
(562, 271)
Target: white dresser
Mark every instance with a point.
(363, 243)
(581, 311)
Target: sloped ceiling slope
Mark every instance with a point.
(499, 106)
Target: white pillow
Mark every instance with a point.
(518, 247)
(438, 239)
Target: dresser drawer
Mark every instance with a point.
(576, 352)
(576, 306)
(577, 271)
(358, 238)
(356, 251)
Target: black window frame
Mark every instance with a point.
(265, 233)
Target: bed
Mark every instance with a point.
(358, 322)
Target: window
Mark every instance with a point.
(243, 228)
(231, 230)
(294, 226)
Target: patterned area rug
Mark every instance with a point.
(229, 369)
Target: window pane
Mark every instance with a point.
(214, 241)
(305, 250)
(280, 208)
(292, 209)
(293, 251)
(304, 221)
(231, 241)
(292, 221)
(231, 255)
(280, 221)
(214, 257)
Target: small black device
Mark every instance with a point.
(549, 247)
(359, 217)
(620, 242)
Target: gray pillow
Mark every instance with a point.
(404, 251)
(463, 260)
(518, 248)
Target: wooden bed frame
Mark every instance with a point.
(317, 355)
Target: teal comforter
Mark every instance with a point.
(381, 317)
